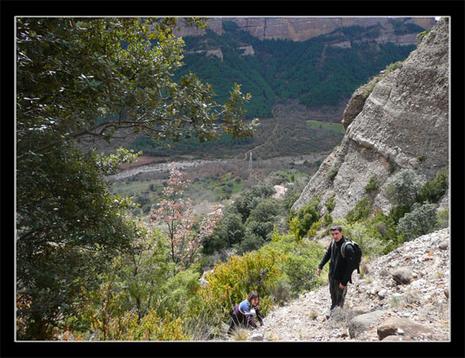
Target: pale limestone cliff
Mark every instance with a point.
(304, 28)
(402, 124)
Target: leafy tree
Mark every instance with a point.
(250, 199)
(176, 213)
(228, 232)
(90, 77)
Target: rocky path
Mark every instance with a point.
(403, 296)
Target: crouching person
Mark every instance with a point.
(245, 313)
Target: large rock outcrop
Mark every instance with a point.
(402, 124)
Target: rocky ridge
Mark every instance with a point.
(403, 296)
(304, 28)
(401, 123)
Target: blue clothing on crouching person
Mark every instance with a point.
(244, 306)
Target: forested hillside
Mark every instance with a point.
(324, 70)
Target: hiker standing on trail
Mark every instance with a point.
(344, 257)
(244, 313)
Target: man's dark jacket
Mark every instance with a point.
(339, 267)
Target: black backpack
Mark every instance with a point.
(357, 255)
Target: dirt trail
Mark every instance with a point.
(376, 305)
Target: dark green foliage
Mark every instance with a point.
(372, 185)
(260, 229)
(301, 275)
(434, 189)
(300, 265)
(247, 224)
(89, 77)
(251, 242)
(260, 224)
(398, 212)
(361, 210)
(250, 199)
(187, 145)
(385, 229)
(419, 221)
(265, 211)
(403, 188)
(301, 222)
(229, 231)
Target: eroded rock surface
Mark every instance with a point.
(402, 124)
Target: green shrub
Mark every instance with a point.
(178, 291)
(433, 190)
(151, 327)
(262, 229)
(372, 185)
(384, 228)
(442, 218)
(421, 35)
(332, 174)
(397, 212)
(303, 220)
(403, 188)
(327, 219)
(331, 203)
(361, 211)
(420, 221)
(251, 242)
(266, 210)
(271, 270)
(393, 66)
(300, 270)
(314, 228)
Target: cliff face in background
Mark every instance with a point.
(402, 124)
(304, 28)
(316, 62)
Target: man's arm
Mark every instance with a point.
(349, 257)
(326, 257)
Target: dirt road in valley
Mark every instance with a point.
(190, 164)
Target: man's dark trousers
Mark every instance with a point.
(337, 294)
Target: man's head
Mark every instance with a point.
(253, 298)
(336, 232)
